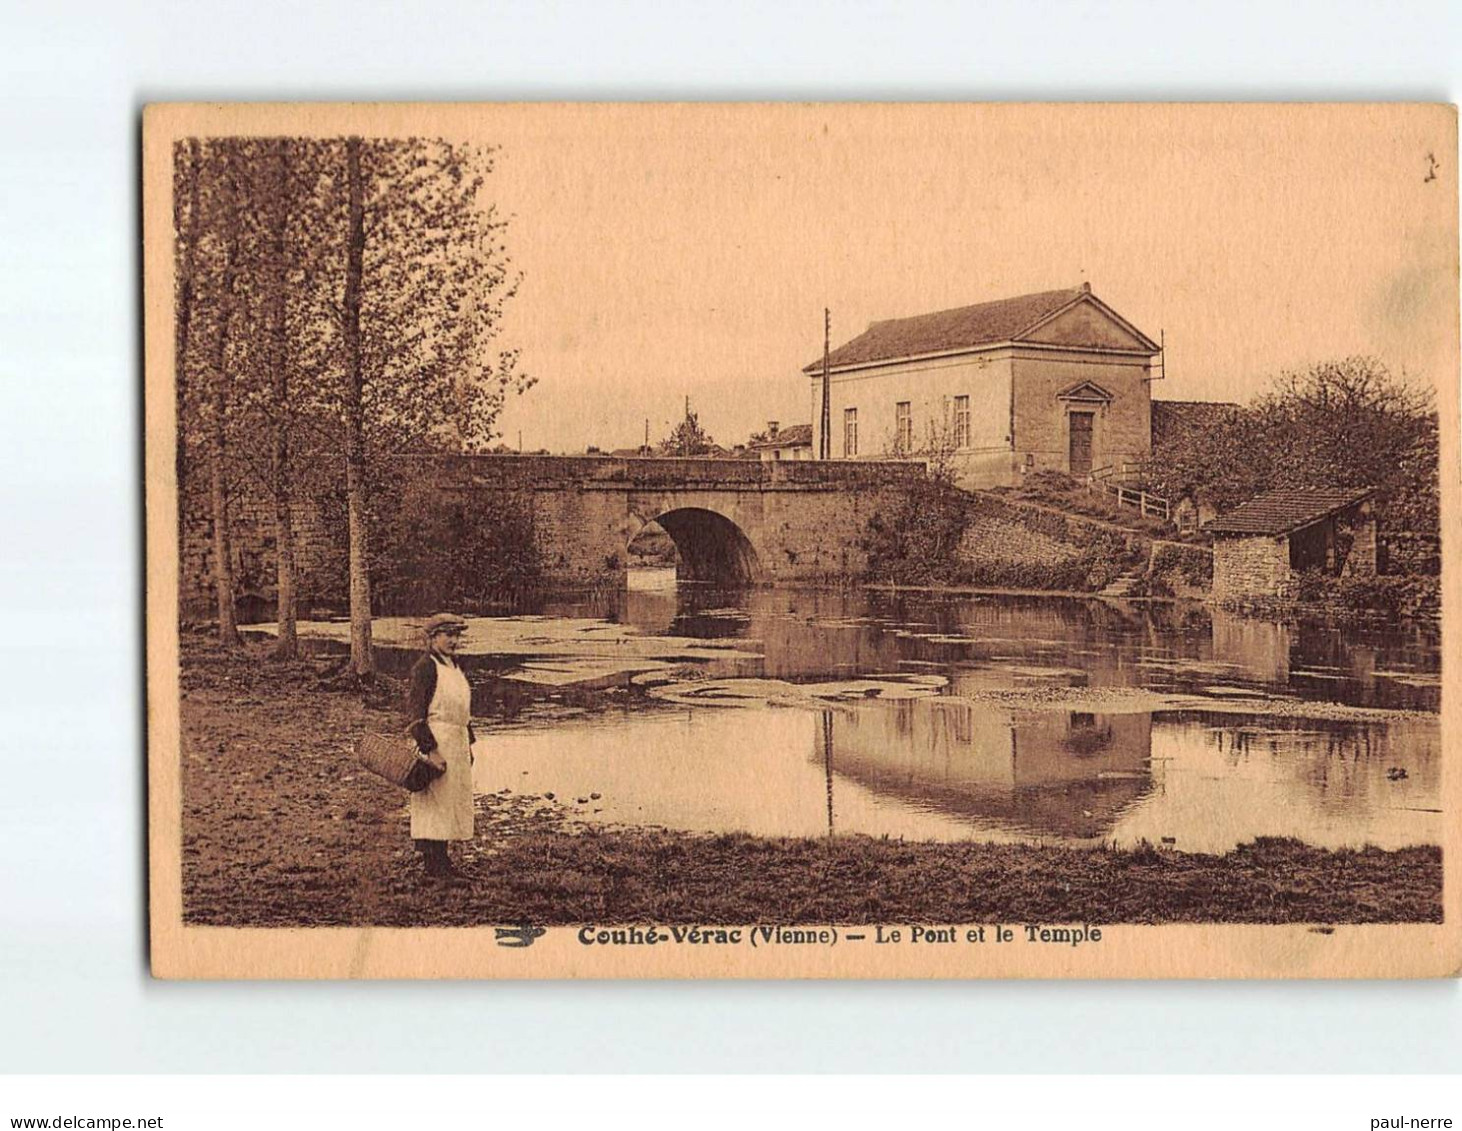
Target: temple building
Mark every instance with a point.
(1057, 380)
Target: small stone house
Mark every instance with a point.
(792, 442)
(1056, 380)
(1260, 547)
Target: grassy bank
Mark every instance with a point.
(281, 829)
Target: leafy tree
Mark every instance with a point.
(688, 438)
(348, 292)
(1346, 423)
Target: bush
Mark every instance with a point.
(915, 543)
(1193, 564)
(1385, 595)
(465, 552)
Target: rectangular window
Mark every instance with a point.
(903, 414)
(850, 433)
(961, 422)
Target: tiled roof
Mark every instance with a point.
(1169, 418)
(792, 436)
(963, 327)
(1279, 512)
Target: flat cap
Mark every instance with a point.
(444, 622)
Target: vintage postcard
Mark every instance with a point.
(896, 541)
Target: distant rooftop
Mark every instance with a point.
(792, 436)
(1281, 512)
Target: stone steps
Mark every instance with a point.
(1123, 586)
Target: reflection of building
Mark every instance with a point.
(1259, 548)
(1054, 380)
(1257, 649)
(1051, 773)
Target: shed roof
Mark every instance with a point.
(1281, 512)
(963, 327)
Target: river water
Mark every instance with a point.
(996, 718)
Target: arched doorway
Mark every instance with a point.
(709, 547)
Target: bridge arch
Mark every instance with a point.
(712, 547)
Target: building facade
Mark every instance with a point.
(1056, 380)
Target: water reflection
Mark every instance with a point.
(933, 769)
(955, 766)
(1045, 727)
(1059, 774)
(991, 639)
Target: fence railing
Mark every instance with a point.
(1113, 479)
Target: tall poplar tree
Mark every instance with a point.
(361, 660)
(223, 222)
(426, 279)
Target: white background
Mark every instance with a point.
(74, 992)
(766, 1103)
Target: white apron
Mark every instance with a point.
(443, 810)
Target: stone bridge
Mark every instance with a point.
(732, 520)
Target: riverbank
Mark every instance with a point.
(280, 828)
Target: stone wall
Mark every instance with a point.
(319, 553)
(1402, 552)
(1018, 545)
(1179, 569)
(1251, 566)
(993, 541)
(1361, 560)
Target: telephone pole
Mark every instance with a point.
(825, 448)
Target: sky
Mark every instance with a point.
(674, 251)
(683, 251)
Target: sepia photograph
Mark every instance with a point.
(745, 540)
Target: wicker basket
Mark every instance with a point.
(396, 758)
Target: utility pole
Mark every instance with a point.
(827, 764)
(825, 448)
